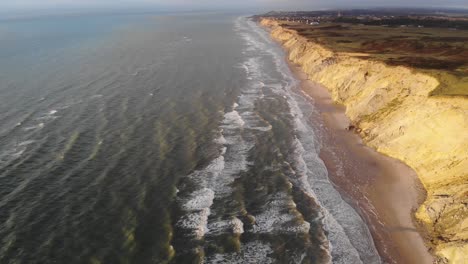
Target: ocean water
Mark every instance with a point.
(158, 138)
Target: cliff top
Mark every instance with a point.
(438, 51)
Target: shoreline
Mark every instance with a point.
(394, 111)
(384, 191)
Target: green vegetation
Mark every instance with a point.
(433, 22)
(440, 52)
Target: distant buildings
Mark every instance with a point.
(386, 18)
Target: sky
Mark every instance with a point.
(220, 4)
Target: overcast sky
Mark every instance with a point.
(261, 4)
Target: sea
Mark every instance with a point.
(162, 138)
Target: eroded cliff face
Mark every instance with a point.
(395, 115)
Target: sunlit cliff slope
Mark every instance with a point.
(394, 113)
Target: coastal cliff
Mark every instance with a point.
(392, 110)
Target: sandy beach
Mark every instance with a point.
(383, 190)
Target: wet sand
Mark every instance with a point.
(383, 190)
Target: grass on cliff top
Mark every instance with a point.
(442, 53)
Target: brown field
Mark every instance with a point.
(440, 52)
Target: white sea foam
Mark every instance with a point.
(233, 119)
(246, 68)
(349, 237)
(221, 140)
(253, 252)
(233, 226)
(195, 222)
(46, 118)
(237, 226)
(38, 126)
(18, 153)
(96, 96)
(278, 217)
(198, 203)
(214, 181)
(197, 206)
(50, 115)
(199, 200)
(27, 142)
(12, 153)
(264, 129)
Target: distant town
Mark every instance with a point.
(431, 41)
(453, 19)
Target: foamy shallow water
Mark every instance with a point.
(270, 82)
